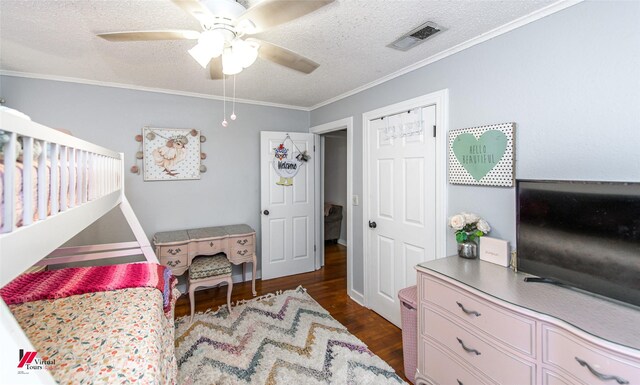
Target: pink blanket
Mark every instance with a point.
(80, 280)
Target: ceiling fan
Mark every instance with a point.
(222, 44)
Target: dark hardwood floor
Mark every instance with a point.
(328, 286)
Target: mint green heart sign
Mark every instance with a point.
(479, 156)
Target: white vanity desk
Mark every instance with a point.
(480, 323)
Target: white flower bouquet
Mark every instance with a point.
(468, 227)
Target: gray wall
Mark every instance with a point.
(335, 174)
(228, 193)
(571, 82)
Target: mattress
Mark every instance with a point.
(120, 336)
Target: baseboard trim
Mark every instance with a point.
(342, 242)
(237, 278)
(357, 297)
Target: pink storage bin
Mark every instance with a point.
(409, 318)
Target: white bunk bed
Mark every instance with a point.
(79, 182)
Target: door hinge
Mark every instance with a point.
(434, 130)
(314, 148)
(314, 247)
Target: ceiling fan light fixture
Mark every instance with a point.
(231, 63)
(201, 54)
(213, 41)
(245, 51)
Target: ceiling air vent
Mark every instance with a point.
(416, 36)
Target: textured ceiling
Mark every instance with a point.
(348, 38)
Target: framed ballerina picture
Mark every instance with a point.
(171, 153)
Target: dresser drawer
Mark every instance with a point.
(550, 377)
(443, 369)
(568, 352)
(509, 328)
(173, 251)
(209, 247)
(498, 364)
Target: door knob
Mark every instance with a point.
(372, 225)
(266, 212)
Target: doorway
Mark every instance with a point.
(334, 168)
(333, 156)
(321, 131)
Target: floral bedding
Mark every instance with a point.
(112, 337)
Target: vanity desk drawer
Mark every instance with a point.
(173, 251)
(241, 254)
(242, 248)
(174, 262)
(210, 247)
(242, 241)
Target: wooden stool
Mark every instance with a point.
(209, 271)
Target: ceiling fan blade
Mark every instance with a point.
(169, 34)
(195, 9)
(215, 68)
(269, 13)
(284, 57)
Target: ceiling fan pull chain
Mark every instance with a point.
(233, 113)
(224, 101)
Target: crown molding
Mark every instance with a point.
(146, 89)
(510, 26)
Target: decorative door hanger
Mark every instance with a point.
(482, 155)
(285, 164)
(403, 124)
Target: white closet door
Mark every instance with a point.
(401, 207)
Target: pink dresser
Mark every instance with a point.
(480, 323)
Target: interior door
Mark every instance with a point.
(401, 185)
(288, 222)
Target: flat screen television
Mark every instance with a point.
(581, 234)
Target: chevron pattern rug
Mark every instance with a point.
(286, 338)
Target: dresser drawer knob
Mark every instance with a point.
(173, 263)
(603, 377)
(242, 242)
(470, 312)
(242, 252)
(174, 252)
(466, 349)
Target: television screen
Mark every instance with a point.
(583, 234)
